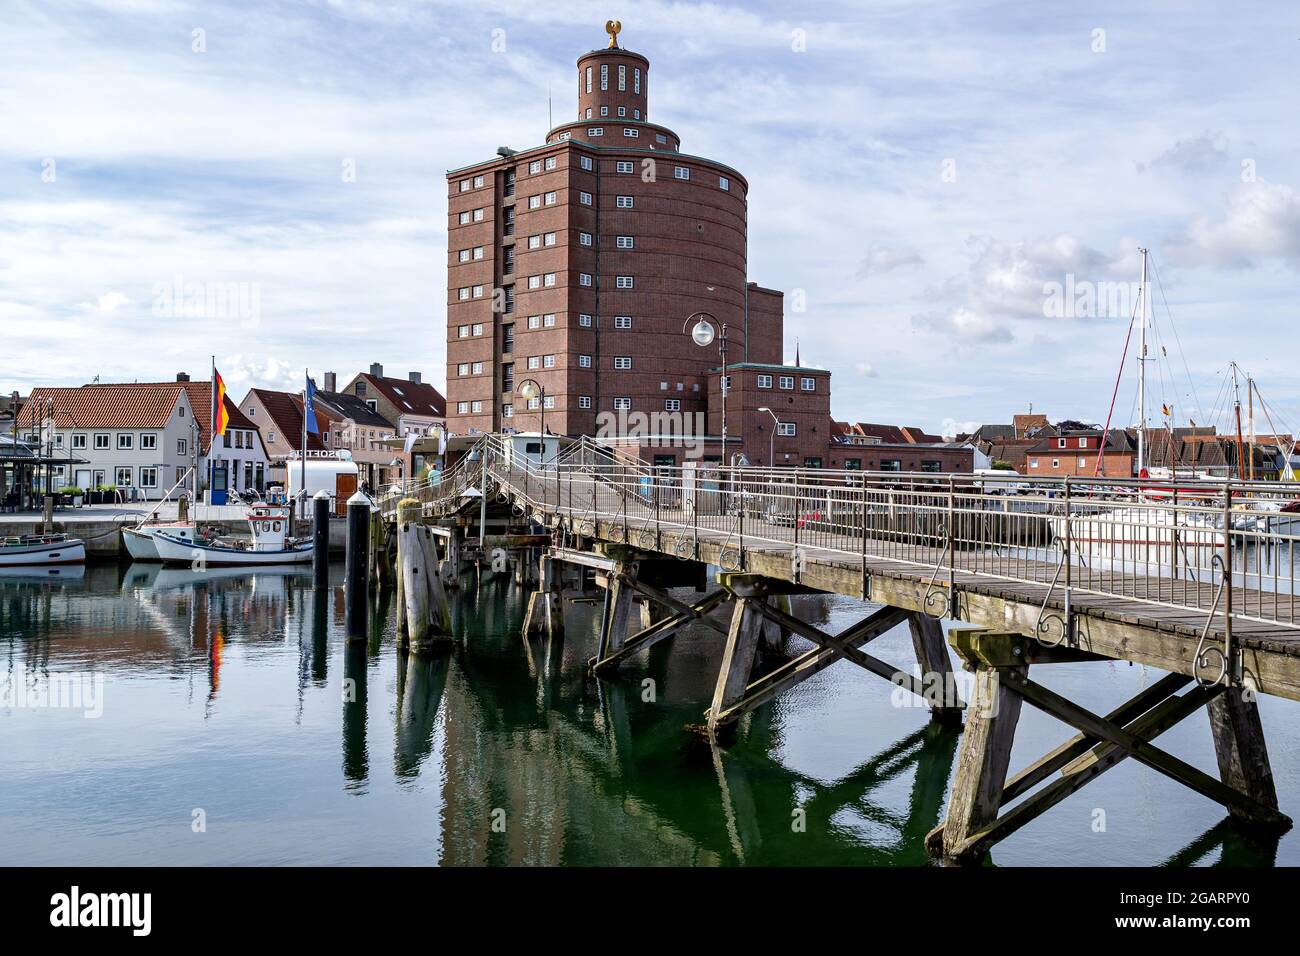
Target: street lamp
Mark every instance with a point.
(771, 442)
(703, 333)
(531, 389)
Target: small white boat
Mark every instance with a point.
(139, 540)
(270, 544)
(31, 549)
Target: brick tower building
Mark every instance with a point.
(576, 264)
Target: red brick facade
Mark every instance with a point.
(576, 263)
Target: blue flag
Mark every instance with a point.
(309, 408)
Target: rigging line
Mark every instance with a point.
(1105, 432)
(1174, 326)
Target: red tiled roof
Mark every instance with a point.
(285, 410)
(103, 406)
(416, 398)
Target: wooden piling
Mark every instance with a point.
(618, 610)
(982, 760)
(449, 568)
(1240, 748)
(936, 666)
(545, 614)
(737, 658)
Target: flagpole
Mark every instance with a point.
(302, 491)
(212, 428)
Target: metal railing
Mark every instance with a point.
(1177, 543)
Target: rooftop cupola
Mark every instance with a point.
(612, 82)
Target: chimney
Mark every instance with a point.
(182, 376)
(331, 380)
(415, 377)
(376, 370)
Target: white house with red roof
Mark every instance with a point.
(142, 435)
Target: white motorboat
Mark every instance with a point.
(139, 540)
(31, 549)
(270, 543)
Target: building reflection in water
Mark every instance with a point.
(506, 731)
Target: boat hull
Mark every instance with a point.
(174, 551)
(139, 541)
(71, 551)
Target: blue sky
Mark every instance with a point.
(920, 174)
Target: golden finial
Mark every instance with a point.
(613, 28)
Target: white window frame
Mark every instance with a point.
(624, 282)
(625, 242)
(624, 202)
(623, 362)
(622, 321)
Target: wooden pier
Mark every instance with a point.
(914, 551)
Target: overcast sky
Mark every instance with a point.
(920, 175)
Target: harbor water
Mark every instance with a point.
(159, 716)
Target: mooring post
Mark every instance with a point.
(183, 509)
(428, 616)
(357, 565)
(320, 540)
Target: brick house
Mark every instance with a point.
(1074, 453)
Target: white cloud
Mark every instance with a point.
(1260, 221)
(1198, 154)
(881, 259)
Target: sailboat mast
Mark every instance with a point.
(1142, 373)
(1236, 405)
(1250, 423)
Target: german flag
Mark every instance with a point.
(220, 417)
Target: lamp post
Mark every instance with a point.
(531, 389)
(771, 442)
(703, 334)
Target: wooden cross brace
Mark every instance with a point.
(682, 614)
(827, 652)
(981, 786)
